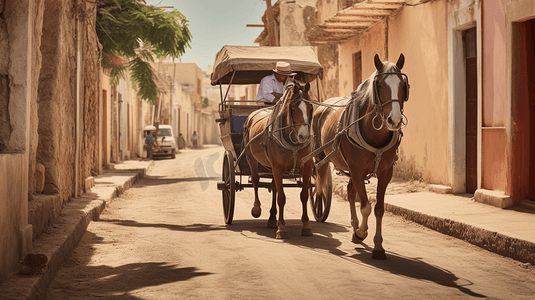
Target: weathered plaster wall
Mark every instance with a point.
(328, 58)
(106, 119)
(369, 43)
(424, 149)
(493, 164)
(296, 21)
(35, 185)
(13, 209)
(5, 124)
(86, 12)
(493, 42)
(16, 32)
(57, 98)
(326, 9)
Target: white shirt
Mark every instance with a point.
(268, 85)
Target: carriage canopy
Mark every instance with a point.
(252, 63)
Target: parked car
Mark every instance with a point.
(165, 140)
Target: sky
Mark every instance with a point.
(215, 23)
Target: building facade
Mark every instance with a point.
(470, 67)
(49, 116)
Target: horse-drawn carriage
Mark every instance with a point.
(247, 65)
(358, 135)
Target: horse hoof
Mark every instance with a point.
(379, 254)
(356, 239)
(256, 215)
(282, 235)
(306, 232)
(272, 223)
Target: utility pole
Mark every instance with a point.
(270, 24)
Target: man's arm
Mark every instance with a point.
(265, 90)
(277, 95)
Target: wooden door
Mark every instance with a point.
(530, 39)
(471, 124)
(469, 39)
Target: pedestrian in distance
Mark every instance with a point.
(195, 139)
(150, 144)
(181, 142)
(272, 86)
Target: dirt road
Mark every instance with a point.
(165, 238)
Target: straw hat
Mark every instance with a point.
(283, 68)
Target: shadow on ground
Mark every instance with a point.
(80, 280)
(414, 268)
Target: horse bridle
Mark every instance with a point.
(379, 104)
(290, 121)
(292, 124)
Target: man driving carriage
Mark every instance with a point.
(272, 86)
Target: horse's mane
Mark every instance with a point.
(364, 93)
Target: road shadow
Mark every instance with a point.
(160, 180)
(79, 280)
(321, 240)
(188, 228)
(414, 268)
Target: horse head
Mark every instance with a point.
(391, 91)
(300, 111)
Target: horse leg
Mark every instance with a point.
(359, 189)
(272, 221)
(256, 211)
(307, 170)
(351, 196)
(382, 183)
(281, 201)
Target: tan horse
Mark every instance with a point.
(360, 135)
(278, 137)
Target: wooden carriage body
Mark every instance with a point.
(245, 65)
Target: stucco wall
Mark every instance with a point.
(5, 124)
(493, 164)
(90, 108)
(369, 43)
(494, 57)
(13, 209)
(424, 148)
(34, 180)
(328, 58)
(57, 95)
(16, 33)
(296, 21)
(105, 90)
(326, 9)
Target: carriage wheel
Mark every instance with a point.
(230, 187)
(321, 203)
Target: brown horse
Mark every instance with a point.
(360, 136)
(278, 137)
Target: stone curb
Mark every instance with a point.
(60, 240)
(517, 249)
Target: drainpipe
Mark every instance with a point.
(271, 24)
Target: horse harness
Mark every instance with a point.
(348, 125)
